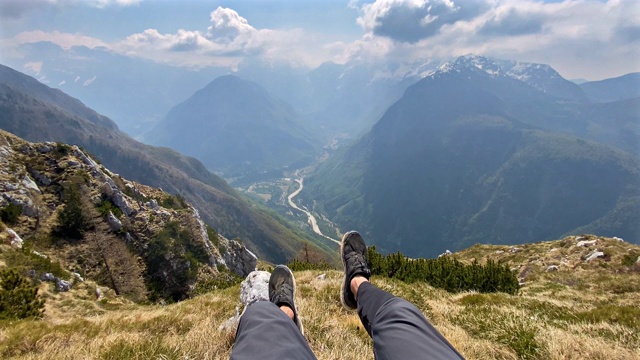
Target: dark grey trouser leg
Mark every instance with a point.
(266, 332)
(398, 328)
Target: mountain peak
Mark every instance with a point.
(540, 76)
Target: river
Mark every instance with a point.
(311, 219)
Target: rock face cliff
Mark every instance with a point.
(138, 240)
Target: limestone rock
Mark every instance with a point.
(28, 183)
(48, 277)
(239, 259)
(62, 285)
(231, 324)
(40, 177)
(255, 287)
(114, 223)
(446, 253)
(14, 238)
(321, 277)
(586, 243)
(78, 277)
(515, 249)
(618, 239)
(500, 252)
(595, 255)
(638, 260)
(552, 268)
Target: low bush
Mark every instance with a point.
(445, 272)
(10, 213)
(18, 297)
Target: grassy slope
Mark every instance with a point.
(583, 311)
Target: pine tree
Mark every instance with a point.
(18, 297)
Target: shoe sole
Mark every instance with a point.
(344, 271)
(297, 320)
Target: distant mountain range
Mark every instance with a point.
(235, 126)
(483, 151)
(36, 112)
(615, 89)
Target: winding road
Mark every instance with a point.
(311, 219)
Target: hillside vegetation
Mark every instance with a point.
(581, 310)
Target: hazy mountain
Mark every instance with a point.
(31, 116)
(338, 99)
(236, 127)
(469, 155)
(615, 89)
(135, 93)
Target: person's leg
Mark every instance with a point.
(272, 329)
(397, 327)
(266, 332)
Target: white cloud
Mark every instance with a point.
(106, 3)
(62, 83)
(585, 38)
(89, 81)
(580, 38)
(34, 66)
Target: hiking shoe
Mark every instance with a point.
(354, 260)
(282, 291)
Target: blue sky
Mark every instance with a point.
(580, 38)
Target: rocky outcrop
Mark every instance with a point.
(595, 255)
(14, 239)
(238, 258)
(114, 223)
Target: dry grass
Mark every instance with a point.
(575, 313)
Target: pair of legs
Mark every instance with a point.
(272, 329)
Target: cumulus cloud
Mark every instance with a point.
(584, 38)
(413, 20)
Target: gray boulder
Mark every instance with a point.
(552, 268)
(255, 287)
(48, 277)
(62, 285)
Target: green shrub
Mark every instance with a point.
(173, 258)
(630, 259)
(105, 206)
(73, 221)
(10, 213)
(18, 297)
(27, 260)
(445, 272)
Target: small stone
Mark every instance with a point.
(500, 252)
(618, 239)
(515, 249)
(48, 277)
(99, 294)
(78, 277)
(638, 261)
(321, 276)
(552, 268)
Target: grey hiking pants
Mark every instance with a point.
(397, 327)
